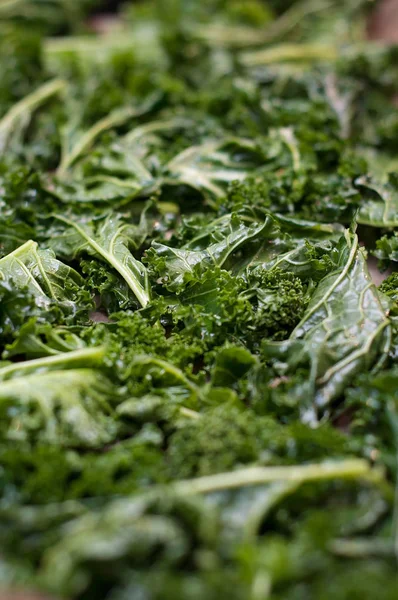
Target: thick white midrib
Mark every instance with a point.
(387, 206)
(31, 101)
(19, 250)
(50, 361)
(89, 136)
(140, 294)
(347, 469)
(290, 140)
(30, 276)
(43, 273)
(153, 127)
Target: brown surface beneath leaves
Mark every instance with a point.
(384, 22)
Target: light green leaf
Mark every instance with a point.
(176, 264)
(345, 469)
(380, 207)
(67, 406)
(39, 271)
(345, 328)
(76, 142)
(83, 357)
(110, 242)
(209, 166)
(18, 117)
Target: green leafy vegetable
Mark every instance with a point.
(198, 372)
(19, 115)
(44, 405)
(345, 325)
(381, 208)
(110, 242)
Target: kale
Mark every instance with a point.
(198, 374)
(390, 286)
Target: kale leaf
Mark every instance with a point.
(198, 372)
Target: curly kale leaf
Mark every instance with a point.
(109, 241)
(167, 527)
(390, 286)
(16, 120)
(37, 338)
(280, 299)
(230, 431)
(177, 266)
(387, 250)
(59, 399)
(45, 472)
(344, 330)
(380, 208)
(346, 350)
(207, 166)
(222, 439)
(49, 281)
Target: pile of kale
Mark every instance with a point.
(198, 377)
